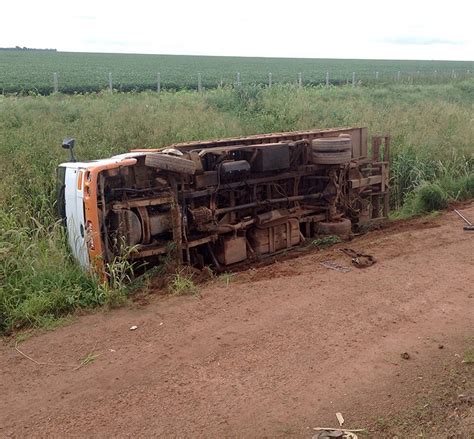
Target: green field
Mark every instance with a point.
(432, 163)
(32, 71)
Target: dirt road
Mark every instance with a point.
(277, 351)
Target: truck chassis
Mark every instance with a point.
(229, 201)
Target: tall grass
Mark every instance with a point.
(432, 130)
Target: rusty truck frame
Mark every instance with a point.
(224, 202)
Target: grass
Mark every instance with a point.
(32, 72)
(181, 283)
(226, 278)
(468, 357)
(89, 358)
(432, 162)
(326, 241)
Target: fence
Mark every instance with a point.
(199, 82)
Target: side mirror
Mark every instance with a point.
(69, 144)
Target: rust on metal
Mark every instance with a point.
(227, 201)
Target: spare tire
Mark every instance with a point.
(340, 228)
(332, 144)
(331, 158)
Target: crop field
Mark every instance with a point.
(32, 72)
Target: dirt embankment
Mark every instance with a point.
(277, 351)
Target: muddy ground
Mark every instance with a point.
(273, 351)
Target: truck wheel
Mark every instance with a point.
(331, 158)
(332, 144)
(340, 228)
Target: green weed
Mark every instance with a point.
(88, 359)
(326, 241)
(226, 278)
(181, 283)
(428, 197)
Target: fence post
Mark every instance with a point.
(110, 82)
(327, 79)
(300, 79)
(238, 79)
(158, 82)
(55, 82)
(353, 79)
(269, 80)
(199, 82)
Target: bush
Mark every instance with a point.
(463, 188)
(428, 197)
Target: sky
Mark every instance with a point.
(401, 29)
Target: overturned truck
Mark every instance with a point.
(224, 202)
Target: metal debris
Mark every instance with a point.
(330, 433)
(360, 260)
(332, 265)
(469, 226)
(326, 434)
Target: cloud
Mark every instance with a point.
(421, 41)
(106, 42)
(420, 29)
(84, 17)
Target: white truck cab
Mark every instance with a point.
(78, 204)
(71, 208)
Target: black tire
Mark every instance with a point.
(340, 228)
(331, 158)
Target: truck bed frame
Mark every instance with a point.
(223, 202)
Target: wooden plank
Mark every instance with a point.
(386, 198)
(386, 149)
(363, 142)
(356, 144)
(170, 163)
(382, 173)
(375, 207)
(376, 141)
(264, 138)
(368, 181)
